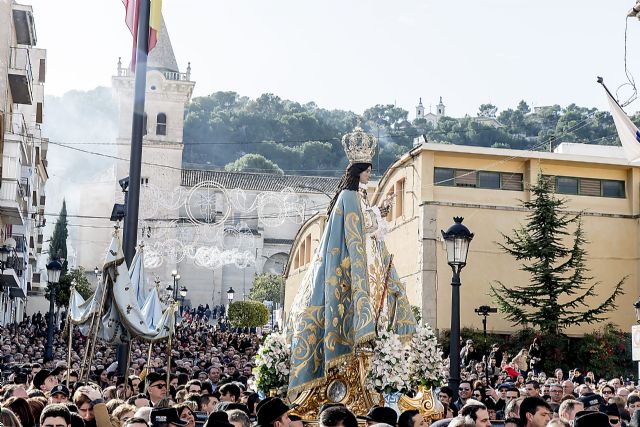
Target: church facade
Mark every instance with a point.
(216, 229)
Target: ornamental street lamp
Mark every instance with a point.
(174, 289)
(636, 305)
(54, 269)
(457, 239)
(485, 311)
(230, 294)
(183, 294)
(7, 259)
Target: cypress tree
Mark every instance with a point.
(560, 290)
(58, 243)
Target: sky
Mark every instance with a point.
(354, 54)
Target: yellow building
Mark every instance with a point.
(435, 182)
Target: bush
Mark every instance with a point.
(606, 352)
(248, 314)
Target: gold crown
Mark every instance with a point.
(359, 146)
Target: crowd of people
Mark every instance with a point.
(515, 391)
(211, 383)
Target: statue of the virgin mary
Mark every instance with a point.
(351, 290)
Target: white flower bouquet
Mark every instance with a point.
(272, 365)
(425, 360)
(390, 368)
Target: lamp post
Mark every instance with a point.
(230, 294)
(636, 305)
(457, 239)
(174, 289)
(7, 256)
(183, 294)
(484, 311)
(54, 268)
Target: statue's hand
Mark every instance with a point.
(386, 204)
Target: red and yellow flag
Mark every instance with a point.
(131, 19)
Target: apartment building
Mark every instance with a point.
(23, 172)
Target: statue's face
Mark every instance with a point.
(365, 175)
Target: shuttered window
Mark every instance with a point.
(511, 181)
(587, 186)
(590, 187)
(465, 178)
(480, 179)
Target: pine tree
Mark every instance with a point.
(58, 243)
(558, 294)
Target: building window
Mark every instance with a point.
(489, 180)
(466, 178)
(587, 186)
(301, 253)
(566, 185)
(442, 176)
(161, 124)
(613, 188)
(42, 70)
(481, 179)
(144, 181)
(307, 252)
(39, 112)
(399, 202)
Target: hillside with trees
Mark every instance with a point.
(223, 128)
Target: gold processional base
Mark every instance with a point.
(346, 385)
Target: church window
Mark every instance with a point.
(144, 124)
(161, 124)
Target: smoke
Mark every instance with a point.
(85, 120)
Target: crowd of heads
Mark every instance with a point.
(211, 383)
(211, 378)
(515, 391)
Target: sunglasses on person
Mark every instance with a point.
(614, 421)
(159, 386)
(464, 389)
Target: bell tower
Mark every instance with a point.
(440, 110)
(420, 110)
(167, 93)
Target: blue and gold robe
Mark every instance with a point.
(343, 294)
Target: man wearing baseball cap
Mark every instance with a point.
(591, 401)
(156, 387)
(166, 417)
(273, 413)
(59, 394)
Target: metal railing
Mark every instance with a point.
(17, 125)
(20, 59)
(169, 75)
(13, 191)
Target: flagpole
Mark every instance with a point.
(135, 159)
(601, 81)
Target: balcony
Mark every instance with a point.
(20, 75)
(24, 25)
(12, 204)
